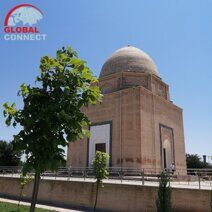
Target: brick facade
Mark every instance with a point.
(137, 105)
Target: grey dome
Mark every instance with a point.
(129, 59)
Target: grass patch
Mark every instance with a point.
(11, 207)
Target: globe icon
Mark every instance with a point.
(25, 15)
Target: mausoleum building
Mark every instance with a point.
(136, 124)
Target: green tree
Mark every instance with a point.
(194, 161)
(8, 156)
(163, 200)
(100, 171)
(52, 112)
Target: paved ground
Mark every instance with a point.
(39, 206)
(176, 184)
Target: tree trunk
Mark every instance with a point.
(35, 191)
(20, 196)
(97, 190)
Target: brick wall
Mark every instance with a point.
(113, 197)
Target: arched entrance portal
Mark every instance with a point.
(166, 146)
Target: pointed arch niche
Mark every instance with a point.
(166, 146)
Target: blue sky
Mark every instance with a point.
(176, 34)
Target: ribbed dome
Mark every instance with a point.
(129, 59)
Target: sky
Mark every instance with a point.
(176, 34)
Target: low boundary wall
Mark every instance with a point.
(113, 197)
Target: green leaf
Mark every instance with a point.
(9, 109)
(68, 49)
(8, 121)
(86, 133)
(24, 89)
(76, 61)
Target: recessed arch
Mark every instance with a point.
(106, 88)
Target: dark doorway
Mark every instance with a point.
(164, 158)
(101, 147)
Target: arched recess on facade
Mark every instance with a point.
(106, 88)
(167, 146)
